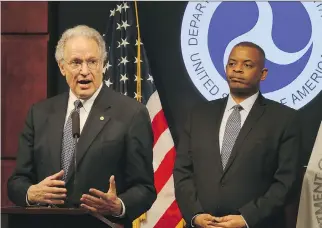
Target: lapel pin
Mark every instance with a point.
(102, 118)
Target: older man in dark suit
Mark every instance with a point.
(114, 174)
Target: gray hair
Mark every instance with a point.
(80, 30)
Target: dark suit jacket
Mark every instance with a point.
(120, 145)
(260, 172)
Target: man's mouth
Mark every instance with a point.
(84, 81)
(236, 79)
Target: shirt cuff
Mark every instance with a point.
(27, 202)
(31, 204)
(191, 223)
(123, 210)
(245, 221)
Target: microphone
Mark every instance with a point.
(75, 124)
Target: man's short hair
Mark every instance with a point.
(80, 30)
(252, 45)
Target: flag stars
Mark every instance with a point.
(118, 44)
(118, 26)
(136, 60)
(137, 96)
(137, 42)
(136, 78)
(125, 25)
(124, 78)
(124, 60)
(108, 83)
(119, 8)
(125, 6)
(112, 13)
(124, 42)
(107, 65)
(150, 78)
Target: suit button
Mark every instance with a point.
(222, 185)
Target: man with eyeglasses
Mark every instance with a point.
(114, 152)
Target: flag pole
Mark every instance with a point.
(137, 222)
(138, 68)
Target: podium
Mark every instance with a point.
(45, 217)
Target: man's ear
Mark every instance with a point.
(264, 74)
(62, 68)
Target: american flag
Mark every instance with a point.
(127, 71)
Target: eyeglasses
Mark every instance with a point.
(77, 64)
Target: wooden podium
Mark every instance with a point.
(45, 217)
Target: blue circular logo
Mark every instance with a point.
(289, 32)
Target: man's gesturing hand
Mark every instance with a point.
(103, 203)
(49, 191)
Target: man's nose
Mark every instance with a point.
(84, 69)
(238, 68)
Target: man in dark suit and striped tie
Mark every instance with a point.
(111, 172)
(237, 158)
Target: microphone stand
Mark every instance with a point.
(76, 135)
